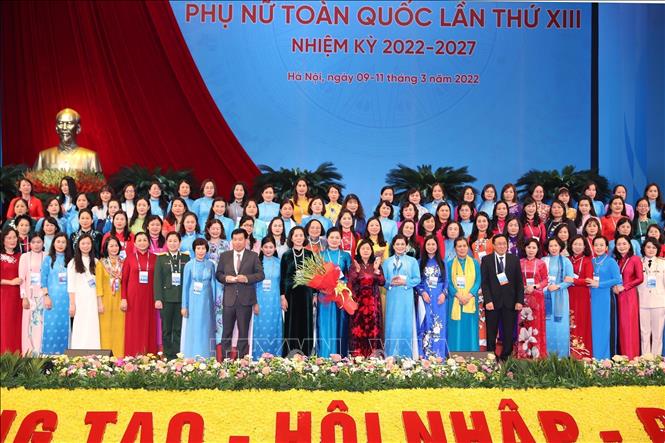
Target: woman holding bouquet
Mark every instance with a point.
(297, 303)
(333, 322)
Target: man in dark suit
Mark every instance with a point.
(239, 270)
(503, 293)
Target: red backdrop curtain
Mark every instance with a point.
(125, 67)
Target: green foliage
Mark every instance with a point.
(142, 177)
(574, 180)
(9, 177)
(284, 180)
(14, 366)
(551, 372)
(403, 178)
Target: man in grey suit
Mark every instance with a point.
(239, 270)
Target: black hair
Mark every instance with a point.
(171, 217)
(79, 267)
(360, 212)
(211, 213)
(631, 251)
(67, 252)
(282, 238)
(200, 242)
(135, 215)
(609, 206)
(51, 220)
(379, 237)
(5, 232)
(289, 240)
(424, 257)
(587, 249)
(197, 228)
(475, 232)
(267, 239)
(214, 221)
(371, 256)
(105, 248)
(523, 218)
(654, 242)
(534, 240)
(125, 232)
(579, 216)
(401, 211)
(71, 184)
(160, 238)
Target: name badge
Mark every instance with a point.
(122, 254)
(197, 287)
(62, 278)
(266, 284)
(596, 278)
(481, 254)
(460, 281)
(531, 282)
(114, 283)
(143, 277)
(651, 282)
(551, 279)
(575, 276)
(175, 279)
(503, 280)
(35, 278)
(432, 281)
(92, 283)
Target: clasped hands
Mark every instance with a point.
(236, 279)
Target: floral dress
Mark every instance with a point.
(531, 339)
(432, 316)
(366, 324)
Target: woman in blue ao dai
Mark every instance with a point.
(56, 300)
(560, 276)
(332, 322)
(433, 302)
(606, 274)
(463, 287)
(198, 289)
(402, 276)
(267, 323)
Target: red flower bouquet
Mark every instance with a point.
(324, 277)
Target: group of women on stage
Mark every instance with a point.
(136, 274)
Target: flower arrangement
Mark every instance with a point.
(47, 181)
(316, 373)
(324, 277)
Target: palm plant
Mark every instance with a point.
(403, 178)
(568, 177)
(283, 180)
(9, 177)
(142, 177)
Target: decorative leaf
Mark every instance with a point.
(283, 180)
(552, 180)
(423, 178)
(142, 177)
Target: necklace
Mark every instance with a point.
(296, 256)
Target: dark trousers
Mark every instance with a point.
(171, 328)
(507, 317)
(230, 315)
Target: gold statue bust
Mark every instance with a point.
(68, 155)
